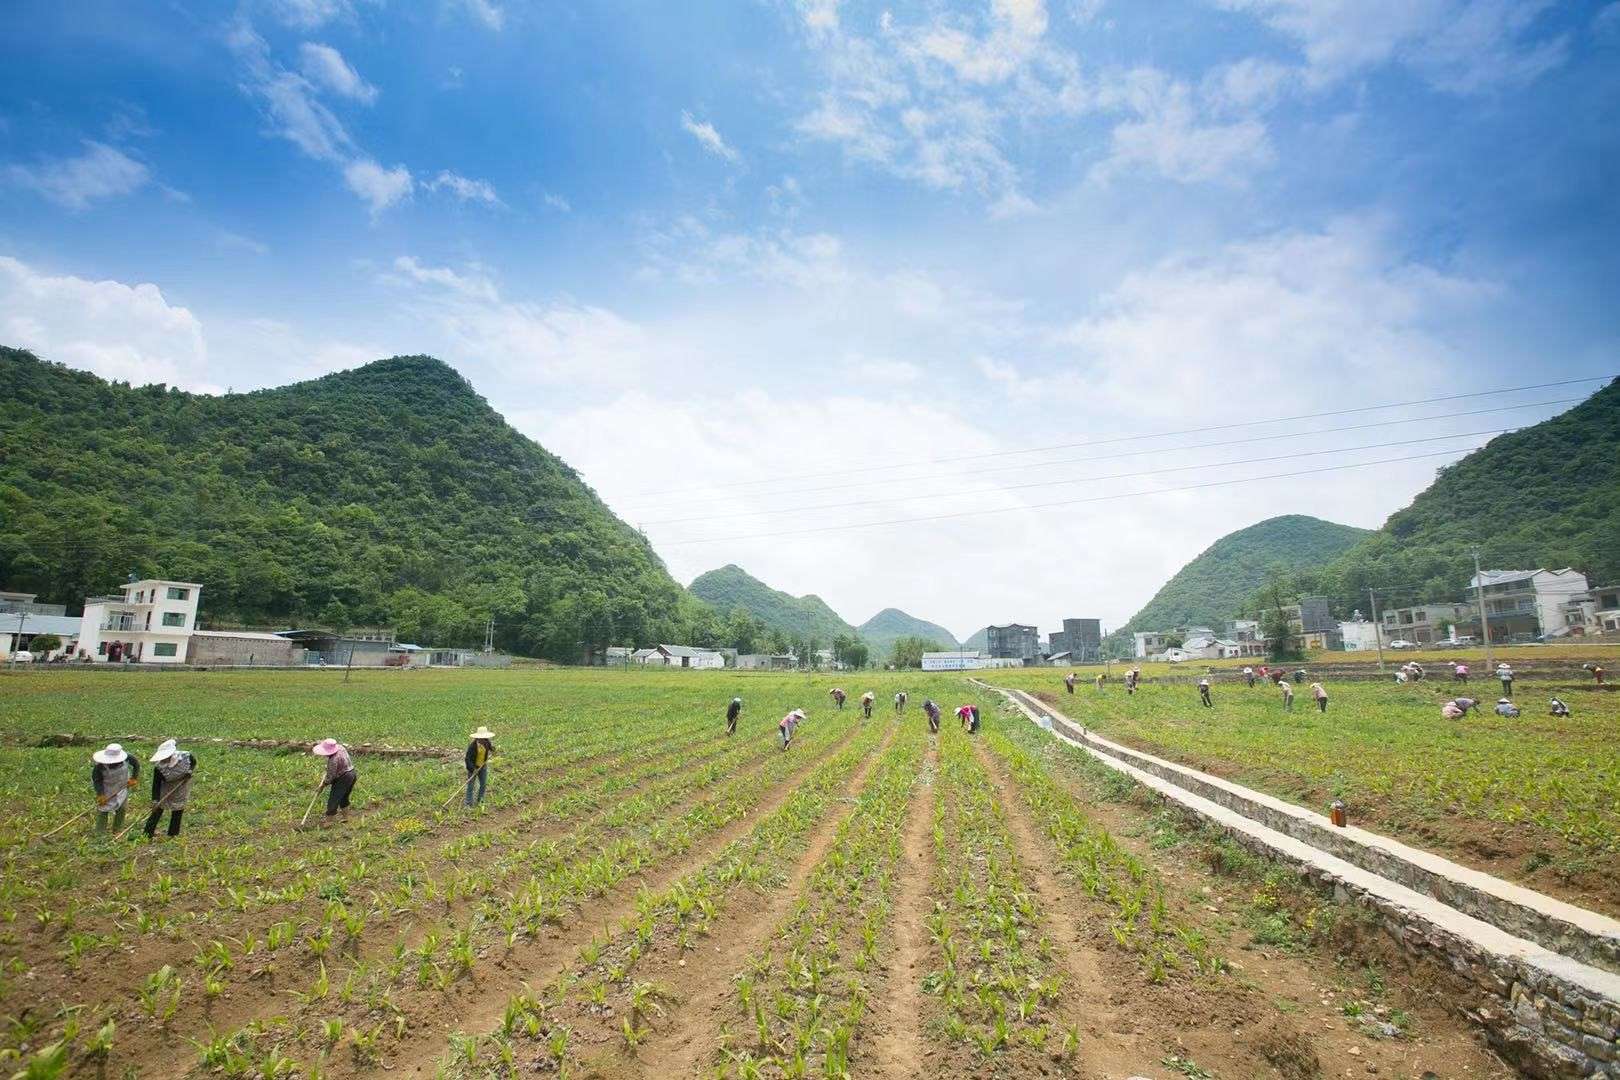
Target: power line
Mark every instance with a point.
(1127, 438)
(1065, 502)
(1024, 467)
(1079, 479)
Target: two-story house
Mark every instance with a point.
(1525, 604)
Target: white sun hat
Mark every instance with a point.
(482, 733)
(166, 750)
(110, 756)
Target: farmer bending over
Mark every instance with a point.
(1068, 680)
(1319, 692)
(478, 752)
(932, 712)
(1465, 703)
(1459, 672)
(171, 786)
(1558, 708)
(1203, 693)
(969, 715)
(733, 711)
(1248, 675)
(838, 696)
(340, 777)
(788, 724)
(1450, 711)
(1504, 707)
(866, 704)
(1100, 678)
(1288, 694)
(900, 702)
(112, 777)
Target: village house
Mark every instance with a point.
(150, 623)
(1523, 605)
(1606, 608)
(22, 620)
(766, 662)
(682, 656)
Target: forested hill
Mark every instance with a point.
(391, 494)
(882, 630)
(1213, 587)
(799, 617)
(1545, 496)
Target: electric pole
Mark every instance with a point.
(1484, 623)
(1378, 636)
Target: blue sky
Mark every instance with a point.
(705, 244)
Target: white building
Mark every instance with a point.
(1515, 597)
(960, 660)
(1148, 643)
(683, 656)
(152, 622)
(19, 628)
(1359, 635)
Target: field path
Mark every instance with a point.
(480, 1010)
(683, 1045)
(893, 1040)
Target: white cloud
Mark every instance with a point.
(100, 172)
(474, 283)
(483, 11)
(378, 187)
(556, 202)
(1249, 84)
(1172, 135)
(325, 66)
(308, 14)
(707, 137)
(1463, 46)
(230, 241)
(464, 188)
(288, 100)
(118, 331)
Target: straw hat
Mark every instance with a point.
(166, 750)
(483, 733)
(110, 756)
(325, 748)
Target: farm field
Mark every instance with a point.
(641, 895)
(1535, 799)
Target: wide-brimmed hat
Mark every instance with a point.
(736, 701)
(110, 756)
(325, 748)
(482, 733)
(166, 750)
(1504, 701)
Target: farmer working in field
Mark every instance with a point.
(1504, 707)
(478, 752)
(172, 770)
(788, 724)
(866, 704)
(733, 711)
(1465, 703)
(932, 712)
(838, 696)
(900, 702)
(1505, 674)
(1450, 711)
(1319, 692)
(1558, 708)
(1459, 672)
(1100, 678)
(1287, 689)
(1248, 676)
(112, 776)
(969, 715)
(1203, 693)
(1068, 680)
(1596, 670)
(340, 777)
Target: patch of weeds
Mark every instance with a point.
(1186, 1067)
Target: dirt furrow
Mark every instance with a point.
(893, 1045)
(684, 1044)
(478, 1007)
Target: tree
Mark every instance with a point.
(850, 650)
(907, 652)
(45, 643)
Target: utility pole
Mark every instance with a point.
(1378, 635)
(1484, 623)
(489, 635)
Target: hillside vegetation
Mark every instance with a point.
(888, 626)
(798, 617)
(1214, 586)
(390, 494)
(1546, 496)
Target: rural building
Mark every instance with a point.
(616, 656)
(1014, 641)
(18, 629)
(1244, 630)
(1149, 643)
(960, 660)
(242, 647)
(683, 656)
(23, 603)
(1358, 634)
(1606, 608)
(1522, 605)
(765, 662)
(151, 623)
(1061, 659)
(1081, 638)
(356, 648)
(1423, 623)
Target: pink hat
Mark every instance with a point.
(325, 748)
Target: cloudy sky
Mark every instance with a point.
(791, 283)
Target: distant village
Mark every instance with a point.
(152, 621)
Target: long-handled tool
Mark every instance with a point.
(305, 819)
(68, 822)
(162, 805)
(460, 791)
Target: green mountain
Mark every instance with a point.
(1214, 586)
(979, 640)
(799, 617)
(1545, 496)
(882, 630)
(391, 494)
